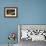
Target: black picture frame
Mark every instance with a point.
(11, 12)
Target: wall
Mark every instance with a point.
(29, 12)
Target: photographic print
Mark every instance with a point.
(10, 11)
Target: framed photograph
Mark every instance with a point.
(11, 12)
